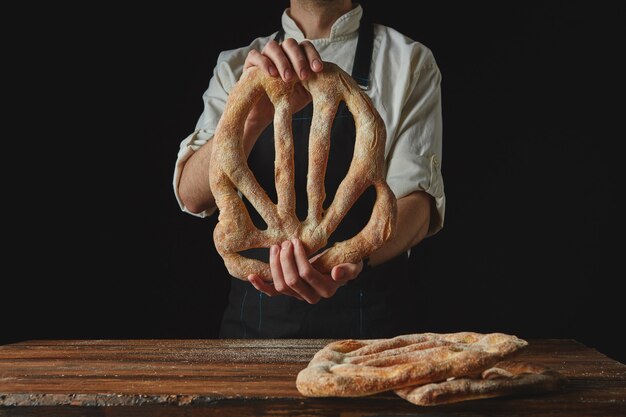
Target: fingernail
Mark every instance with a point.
(288, 74)
(339, 274)
(274, 249)
(273, 71)
(304, 74)
(316, 65)
(294, 241)
(286, 244)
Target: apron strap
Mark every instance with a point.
(363, 55)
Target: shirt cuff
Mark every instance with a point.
(427, 177)
(188, 146)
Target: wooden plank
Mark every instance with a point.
(268, 351)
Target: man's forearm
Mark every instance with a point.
(411, 227)
(194, 187)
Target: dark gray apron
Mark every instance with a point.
(375, 304)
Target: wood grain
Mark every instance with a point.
(257, 377)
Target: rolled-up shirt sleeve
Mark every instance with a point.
(187, 147)
(214, 99)
(414, 161)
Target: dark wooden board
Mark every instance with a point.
(257, 377)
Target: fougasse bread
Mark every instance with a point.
(354, 368)
(230, 174)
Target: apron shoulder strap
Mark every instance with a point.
(363, 55)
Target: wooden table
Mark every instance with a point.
(257, 377)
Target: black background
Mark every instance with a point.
(101, 97)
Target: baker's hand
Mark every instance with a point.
(294, 275)
(289, 60)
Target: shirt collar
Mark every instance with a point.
(345, 26)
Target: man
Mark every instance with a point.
(403, 81)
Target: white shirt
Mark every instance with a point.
(404, 87)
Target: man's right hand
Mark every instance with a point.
(294, 275)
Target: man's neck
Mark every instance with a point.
(315, 18)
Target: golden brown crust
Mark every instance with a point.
(504, 379)
(353, 368)
(230, 173)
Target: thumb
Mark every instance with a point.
(345, 272)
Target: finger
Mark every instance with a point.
(313, 57)
(277, 274)
(346, 272)
(298, 58)
(319, 282)
(257, 59)
(265, 287)
(277, 271)
(268, 289)
(278, 57)
(292, 277)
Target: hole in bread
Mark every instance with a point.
(343, 136)
(261, 254)
(301, 127)
(261, 162)
(356, 218)
(256, 218)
